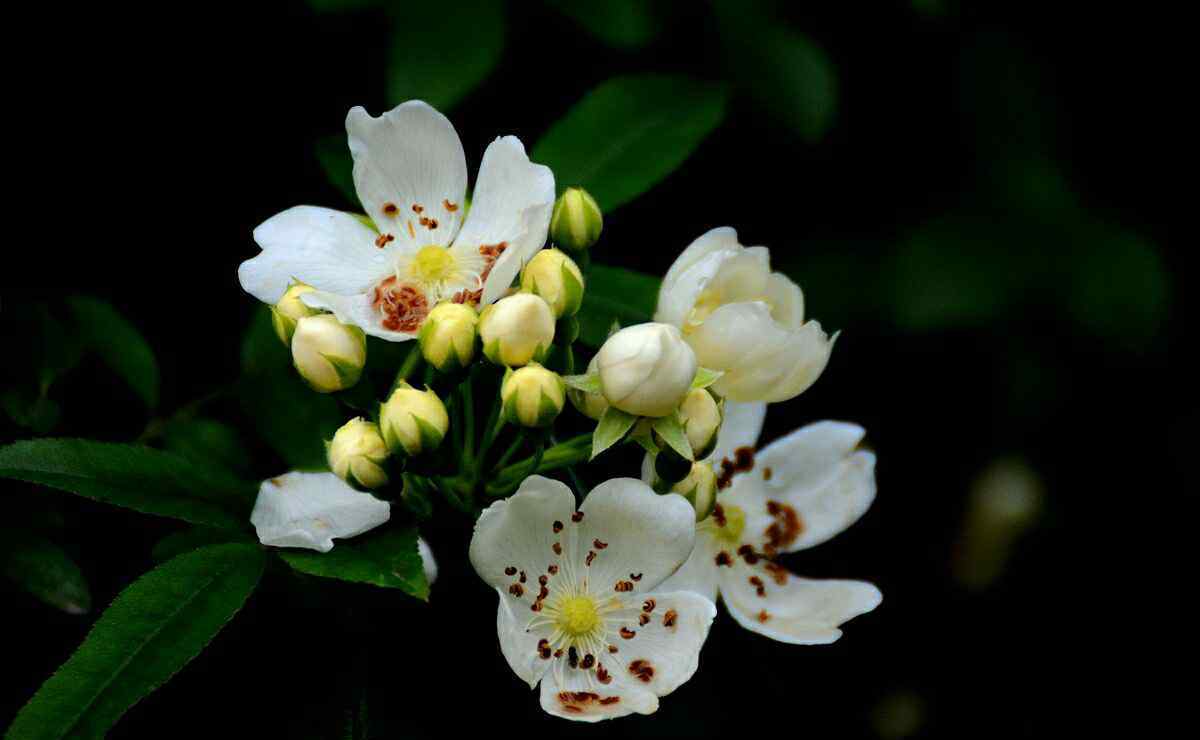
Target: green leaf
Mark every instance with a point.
(193, 538)
(625, 24)
(34, 411)
(135, 477)
(386, 558)
(612, 427)
(629, 133)
(589, 383)
(207, 442)
(43, 569)
(783, 70)
(118, 344)
(671, 431)
(333, 155)
(706, 377)
(440, 56)
(292, 419)
(615, 295)
(153, 628)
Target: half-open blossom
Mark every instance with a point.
(797, 492)
(310, 510)
(410, 172)
(581, 608)
(743, 319)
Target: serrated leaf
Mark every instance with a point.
(629, 133)
(44, 570)
(617, 296)
(153, 628)
(118, 344)
(386, 558)
(132, 476)
(588, 383)
(439, 56)
(671, 431)
(612, 427)
(706, 377)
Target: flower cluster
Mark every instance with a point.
(606, 597)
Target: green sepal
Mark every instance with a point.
(671, 432)
(588, 382)
(614, 328)
(541, 353)
(572, 292)
(366, 221)
(612, 427)
(548, 410)
(566, 331)
(706, 377)
(431, 438)
(491, 350)
(348, 373)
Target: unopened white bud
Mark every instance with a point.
(447, 336)
(289, 310)
(532, 396)
(413, 421)
(591, 405)
(699, 488)
(556, 278)
(328, 354)
(357, 454)
(517, 330)
(646, 369)
(700, 415)
(576, 221)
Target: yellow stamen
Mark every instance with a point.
(578, 616)
(433, 264)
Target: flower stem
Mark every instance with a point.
(561, 455)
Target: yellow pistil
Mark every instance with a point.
(727, 524)
(433, 265)
(578, 615)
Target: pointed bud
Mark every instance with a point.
(532, 396)
(700, 415)
(556, 278)
(328, 354)
(357, 454)
(646, 369)
(699, 488)
(576, 221)
(591, 405)
(447, 337)
(289, 310)
(517, 330)
(413, 421)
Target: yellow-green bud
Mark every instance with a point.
(357, 454)
(289, 310)
(328, 354)
(517, 330)
(591, 405)
(413, 421)
(699, 488)
(576, 221)
(447, 337)
(532, 396)
(556, 278)
(700, 415)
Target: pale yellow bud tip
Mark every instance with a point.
(357, 454)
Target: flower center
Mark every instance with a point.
(728, 522)
(707, 302)
(578, 615)
(433, 264)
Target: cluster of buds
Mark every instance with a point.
(328, 354)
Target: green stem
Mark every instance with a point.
(411, 361)
(574, 450)
(512, 450)
(466, 393)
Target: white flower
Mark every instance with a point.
(310, 509)
(580, 605)
(743, 319)
(797, 492)
(646, 369)
(411, 176)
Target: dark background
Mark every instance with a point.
(157, 139)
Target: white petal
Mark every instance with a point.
(327, 249)
(409, 156)
(428, 563)
(356, 310)
(645, 537)
(744, 276)
(665, 652)
(518, 533)
(699, 574)
(741, 427)
(575, 694)
(512, 203)
(519, 643)
(791, 609)
(786, 300)
(691, 272)
(310, 509)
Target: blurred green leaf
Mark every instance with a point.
(135, 477)
(34, 411)
(625, 24)
(629, 133)
(193, 538)
(786, 73)
(386, 558)
(45, 570)
(153, 628)
(292, 419)
(118, 344)
(207, 442)
(1119, 289)
(439, 55)
(615, 294)
(334, 157)
(59, 348)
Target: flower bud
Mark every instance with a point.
(646, 369)
(532, 396)
(591, 405)
(700, 415)
(699, 488)
(328, 354)
(576, 220)
(289, 310)
(517, 330)
(357, 454)
(447, 337)
(556, 278)
(413, 421)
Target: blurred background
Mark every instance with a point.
(980, 197)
